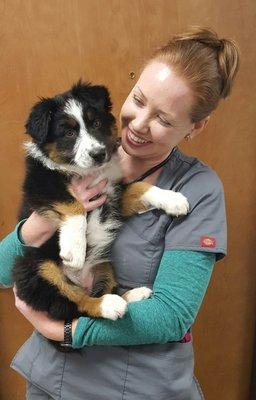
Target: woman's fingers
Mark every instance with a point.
(83, 190)
(84, 193)
(95, 190)
(91, 205)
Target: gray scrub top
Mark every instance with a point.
(158, 371)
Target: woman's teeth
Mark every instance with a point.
(135, 138)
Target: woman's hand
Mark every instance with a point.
(41, 321)
(37, 230)
(84, 192)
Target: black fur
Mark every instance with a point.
(47, 123)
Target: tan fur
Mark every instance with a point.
(69, 209)
(105, 272)
(126, 295)
(53, 153)
(86, 304)
(131, 201)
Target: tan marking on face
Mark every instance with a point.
(53, 274)
(72, 122)
(131, 200)
(53, 153)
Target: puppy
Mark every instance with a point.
(74, 134)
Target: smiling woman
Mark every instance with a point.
(148, 353)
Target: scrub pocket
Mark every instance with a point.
(162, 372)
(41, 365)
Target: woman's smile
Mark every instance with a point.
(135, 140)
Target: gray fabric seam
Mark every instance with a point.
(126, 374)
(32, 364)
(198, 388)
(62, 375)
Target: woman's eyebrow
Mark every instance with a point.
(142, 95)
(168, 115)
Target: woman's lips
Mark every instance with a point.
(134, 140)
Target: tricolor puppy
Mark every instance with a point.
(74, 133)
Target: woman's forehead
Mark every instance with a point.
(162, 86)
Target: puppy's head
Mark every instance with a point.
(75, 127)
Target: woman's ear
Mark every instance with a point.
(199, 126)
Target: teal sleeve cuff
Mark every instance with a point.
(178, 291)
(10, 247)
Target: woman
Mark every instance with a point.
(175, 94)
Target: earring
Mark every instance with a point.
(188, 137)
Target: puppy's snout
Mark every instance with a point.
(98, 155)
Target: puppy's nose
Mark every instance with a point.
(98, 155)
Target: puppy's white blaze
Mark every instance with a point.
(74, 109)
(85, 142)
(72, 241)
(113, 306)
(138, 294)
(171, 202)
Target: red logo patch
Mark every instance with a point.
(208, 241)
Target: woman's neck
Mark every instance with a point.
(134, 167)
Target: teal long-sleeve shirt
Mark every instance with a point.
(178, 291)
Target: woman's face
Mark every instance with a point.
(155, 115)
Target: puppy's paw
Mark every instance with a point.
(171, 202)
(113, 306)
(137, 294)
(174, 203)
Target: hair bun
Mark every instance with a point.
(227, 53)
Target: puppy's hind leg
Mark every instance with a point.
(108, 306)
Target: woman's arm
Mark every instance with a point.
(31, 232)
(37, 229)
(178, 291)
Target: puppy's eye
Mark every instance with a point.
(70, 134)
(96, 123)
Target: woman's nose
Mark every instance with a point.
(141, 123)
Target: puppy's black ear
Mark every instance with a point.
(38, 123)
(96, 95)
(101, 97)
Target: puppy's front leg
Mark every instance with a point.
(140, 196)
(72, 234)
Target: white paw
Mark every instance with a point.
(174, 203)
(113, 306)
(72, 242)
(171, 202)
(138, 294)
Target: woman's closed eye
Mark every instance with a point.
(137, 100)
(163, 121)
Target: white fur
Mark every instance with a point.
(111, 169)
(171, 202)
(85, 142)
(72, 240)
(113, 306)
(138, 294)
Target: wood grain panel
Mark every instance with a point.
(44, 48)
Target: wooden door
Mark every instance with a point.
(45, 47)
